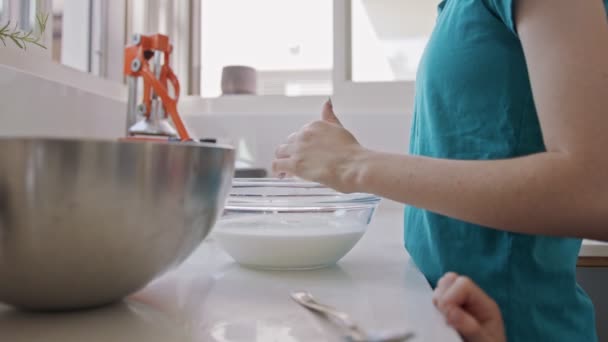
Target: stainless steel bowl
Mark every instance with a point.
(85, 223)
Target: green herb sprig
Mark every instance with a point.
(22, 38)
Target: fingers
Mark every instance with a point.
(464, 292)
(444, 283)
(463, 322)
(460, 292)
(465, 305)
(283, 167)
(292, 137)
(451, 298)
(281, 162)
(283, 151)
(329, 115)
(307, 133)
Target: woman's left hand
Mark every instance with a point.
(322, 151)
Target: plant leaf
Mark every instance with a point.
(5, 27)
(42, 21)
(38, 44)
(23, 38)
(16, 42)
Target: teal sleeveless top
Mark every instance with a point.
(474, 102)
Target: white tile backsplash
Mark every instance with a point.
(35, 106)
(262, 133)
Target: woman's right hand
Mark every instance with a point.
(323, 152)
(468, 309)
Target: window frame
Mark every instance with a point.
(14, 11)
(178, 25)
(391, 96)
(350, 97)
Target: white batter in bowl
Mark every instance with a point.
(291, 225)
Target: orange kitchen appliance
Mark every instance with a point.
(155, 115)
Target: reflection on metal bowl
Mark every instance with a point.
(84, 223)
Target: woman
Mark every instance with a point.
(508, 150)
(469, 310)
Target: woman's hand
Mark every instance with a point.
(322, 151)
(468, 309)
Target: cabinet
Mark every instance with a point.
(592, 274)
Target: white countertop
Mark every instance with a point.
(210, 298)
(592, 248)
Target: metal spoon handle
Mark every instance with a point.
(305, 299)
(355, 333)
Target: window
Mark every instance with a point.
(388, 38)
(288, 42)
(27, 18)
(19, 12)
(83, 37)
(3, 7)
(72, 33)
(363, 51)
(176, 20)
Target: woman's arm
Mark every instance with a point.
(563, 191)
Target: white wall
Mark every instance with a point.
(75, 105)
(54, 100)
(35, 62)
(76, 34)
(51, 99)
(261, 133)
(32, 105)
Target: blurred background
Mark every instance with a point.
(362, 53)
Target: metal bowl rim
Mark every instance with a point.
(118, 141)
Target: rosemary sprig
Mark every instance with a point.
(21, 38)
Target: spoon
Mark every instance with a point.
(354, 332)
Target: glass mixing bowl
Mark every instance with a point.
(290, 224)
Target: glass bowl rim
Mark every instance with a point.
(326, 199)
